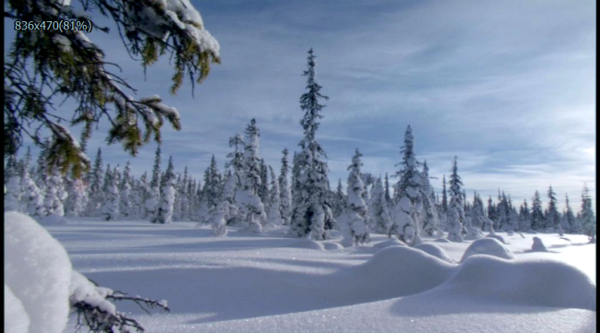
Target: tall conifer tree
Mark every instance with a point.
(311, 213)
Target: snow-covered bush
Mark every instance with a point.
(95, 309)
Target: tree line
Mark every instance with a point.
(249, 193)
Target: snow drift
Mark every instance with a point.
(489, 246)
(528, 282)
(37, 270)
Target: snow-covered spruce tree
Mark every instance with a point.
(570, 223)
(177, 184)
(78, 197)
(126, 204)
(456, 214)
(247, 197)
(285, 208)
(524, 217)
(491, 212)
(33, 197)
(274, 213)
(263, 188)
(96, 180)
(311, 214)
(444, 195)
(212, 189)
(588, 220)
(508, 219)
(22, 165)
(55, 193)
(339, 203)
(408, 195)
(236, 163)
(473, 229)
(386, 185)
(295, 184)
(500, 220)
(12, 197)
(110, 209)
(467, 227)
(184, 203)
(379, 210)
(140, 192)
(10, 168)
(167, 195)
(42, 169)
(537, 215)
(195, 200)
(513, 216)
(153, 199)
(368, 181)
(552, 215)
(226, 210)
(428, 218)
(354, 221)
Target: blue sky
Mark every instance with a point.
(507, 86)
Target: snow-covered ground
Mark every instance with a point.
(272, 283)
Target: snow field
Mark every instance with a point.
(274, 283)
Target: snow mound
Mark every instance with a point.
(489, 246)
(16, 319)
(388, 243)
(53, 219)
(435, 251)
(539, 282)
(307, 244)
(332, 246)
(37, 270)
(497, 237)
(402, 270)
(442, 240)
(538, 245)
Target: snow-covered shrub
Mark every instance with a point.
(538, 245)
(95, 309)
